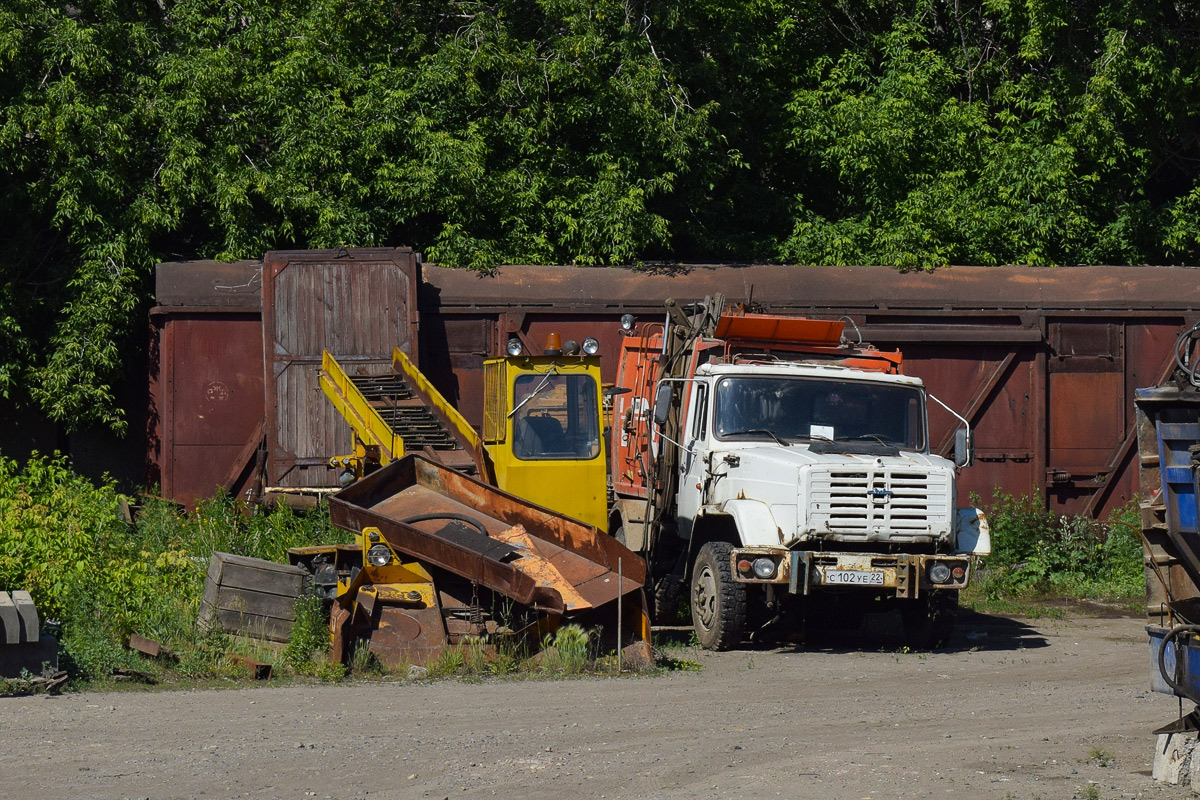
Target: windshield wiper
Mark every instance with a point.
(770, 433)
(874, 436)
(536, 391)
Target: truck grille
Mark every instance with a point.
(856, 503)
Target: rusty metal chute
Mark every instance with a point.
(444, 520)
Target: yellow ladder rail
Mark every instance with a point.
(401, 364)
(365, 421)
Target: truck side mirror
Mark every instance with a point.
(964, 448)
(662, 403)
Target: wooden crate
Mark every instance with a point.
(251, 597)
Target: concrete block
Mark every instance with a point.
(30, 656)
(27, 611)
(10, 621)
(1173, 756)
(1194, 772)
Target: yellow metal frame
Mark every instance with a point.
(575, 487)
(397, 582)
(368, 427)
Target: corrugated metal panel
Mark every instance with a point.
(358, 305)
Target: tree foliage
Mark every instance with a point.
(913, 134)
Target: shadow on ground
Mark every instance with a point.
(973, 631)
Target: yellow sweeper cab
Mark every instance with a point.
(543, 428)
(543, 432)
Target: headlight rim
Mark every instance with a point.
(939, 568)
(765, 568)
(379, 555)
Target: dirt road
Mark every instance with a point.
(1013, 709)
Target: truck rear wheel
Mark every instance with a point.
(666, 601)
(718, 602)
(929, 619)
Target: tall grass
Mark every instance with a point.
(102, 574)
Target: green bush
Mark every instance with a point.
(70, 544)
(54, 525)
(1035, 550)
(310, 636)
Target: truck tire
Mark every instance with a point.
(929, 620)
(666, 601)
(718, 603)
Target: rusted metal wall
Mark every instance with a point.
(1042, 361)
(206, 375)
(358, 305)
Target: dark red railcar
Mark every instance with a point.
(1043, 362)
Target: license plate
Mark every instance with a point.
(854, 576)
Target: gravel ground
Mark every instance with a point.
(1013, 709)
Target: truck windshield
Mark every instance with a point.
(809, 409)
(556, 417)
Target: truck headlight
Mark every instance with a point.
(379, 555)
(590, 346)
(764, 568)
(939, 572)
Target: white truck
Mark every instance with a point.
(783, 474)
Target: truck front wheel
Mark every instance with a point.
(718, 602)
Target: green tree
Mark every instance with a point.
(483, 133)
(1041, 133)
(913, 134)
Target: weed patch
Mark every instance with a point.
(102, 573)
(1038, 553)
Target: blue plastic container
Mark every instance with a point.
(1185, 670)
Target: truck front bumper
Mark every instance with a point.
(905, 575)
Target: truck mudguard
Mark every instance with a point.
(755, 523)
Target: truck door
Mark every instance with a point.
(693, 457)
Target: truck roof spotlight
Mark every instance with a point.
(590, 346)
(514, 347)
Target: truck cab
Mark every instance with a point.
(854, 447)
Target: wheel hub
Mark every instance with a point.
(704, 597)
